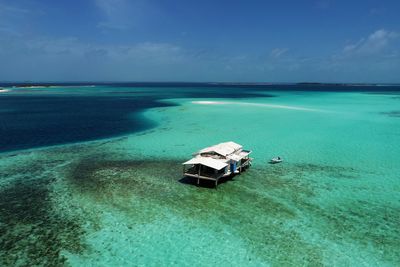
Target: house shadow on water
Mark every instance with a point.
(206, 183)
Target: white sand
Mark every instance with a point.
(255, 105)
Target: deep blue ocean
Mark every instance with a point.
(31, 118)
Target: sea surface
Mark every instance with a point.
(91, 175)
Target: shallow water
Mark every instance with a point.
(122, 200)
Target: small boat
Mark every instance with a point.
(276, 160)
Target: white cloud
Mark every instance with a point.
(10, 18)
(16, 17)
(377, 11)
(123, 14)
(323, 4)
(6, 9)
(376, 42)
(72, 59)
(7, 30)
(115, 14)
(278, 52)
(73, 47)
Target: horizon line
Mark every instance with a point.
(198, 82)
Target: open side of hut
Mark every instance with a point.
(215, 162)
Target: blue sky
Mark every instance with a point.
(176, 40)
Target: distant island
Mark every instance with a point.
(340, 84)
(302, 86)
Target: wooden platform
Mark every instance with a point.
(215, 162)
(199, 175)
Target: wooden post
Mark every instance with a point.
(198, 175)
(216, 183)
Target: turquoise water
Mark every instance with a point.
(121, 200)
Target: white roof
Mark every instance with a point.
(238, 156)
(209, 162)
(244, 153)
(223, 149)
(234, 145)
(235, 157)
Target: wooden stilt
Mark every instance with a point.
(198, 179)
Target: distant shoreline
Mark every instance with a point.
(303, 86)
(39, 86)
(57, 84)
